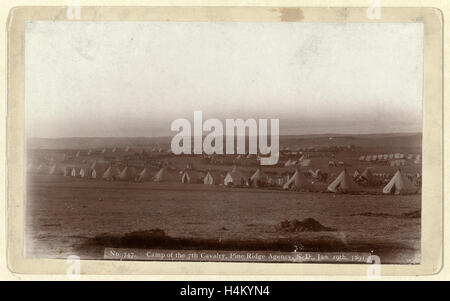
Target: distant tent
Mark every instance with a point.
(185, 178)
(77, 154)
(104, 150)
(83, 172)
(143, 175)
(380, 157)
(94, 164)
(67, 171)
(159, 175)
(385, 156)
(127, 149)
(356, 174)
(114, 149)
(343, 183)
(234, 177)
(368, 176)
(54, 170)
(297, 181)
(399, 184)
(391, 156)
(258, 178)
(128, 174)
(209, 179)
(89, 152)
(93, 173)
(110, 174)
(73, 172)
(368, 157)
(361, 158)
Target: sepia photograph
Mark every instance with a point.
(224, 141)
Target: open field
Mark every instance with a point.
(64, 213)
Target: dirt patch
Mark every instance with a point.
(306, 225)
(411, 214)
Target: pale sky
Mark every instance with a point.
(106, 79)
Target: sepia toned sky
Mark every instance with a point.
(106, 79)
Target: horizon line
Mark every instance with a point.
(280, 135)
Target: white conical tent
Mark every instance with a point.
(356, 174)
(208, 179)
(185, 178)
(83, 172)
(110, 174)
(127, 174)
(54, 170)
(104, 150)
(73, 172)
(343, 183)
(143, 175)
(159, 175)
(297, 181)
(67, 171)
(94, 164)
(93, 173)
(77, 154)
(399, 184)
(258, 178)
(234, 177)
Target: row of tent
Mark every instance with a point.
(116, 149)
(399, 183)
(379, 157)
(344, 183)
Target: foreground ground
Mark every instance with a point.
(65, 214)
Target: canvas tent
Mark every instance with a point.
(356, 174)
(54, 170)
(143, 176)
(159, 175)
(258, 178)
(399, 184)
(211, 178)
(234, 177)
(73, 172)
(185, 178)
(83, 172)
(297, 181)
(110, 174)
(343, 183)
(128, 174)
(67, 171)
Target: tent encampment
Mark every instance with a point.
(399, 184)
